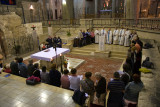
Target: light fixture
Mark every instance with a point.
(31, 7)
(64, 2)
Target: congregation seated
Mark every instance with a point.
(74, 80)
(87, 86)
(22, 68)
(44, 75)
(132, 91)
(100, 88)
(14, 66)
(65, 80)
(1, 61)
(6, 69)
(30, 67)
(54, 76)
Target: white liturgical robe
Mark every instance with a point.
(103, 32)
(101, 43)
(121, 37)
(115, 36)
(109, 37)
(126, 39)
(97, 34)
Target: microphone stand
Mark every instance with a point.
(55, 47)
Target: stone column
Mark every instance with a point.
(35, 39)
(113, 8)
(50, 31)
(67, 10)
(96, 7)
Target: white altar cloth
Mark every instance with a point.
(50, 55)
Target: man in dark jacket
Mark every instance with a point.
(50, 42)
(55, 76)
(30, 68)
(22, 68)
(100, 88)
(14, 66)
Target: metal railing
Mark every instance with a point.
(151, 24)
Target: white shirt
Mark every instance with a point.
(74, 82)
(97, 32)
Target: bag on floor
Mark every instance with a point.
(146, 63)
(32, 80)
(79, 97)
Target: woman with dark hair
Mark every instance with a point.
(36, 71)
(55, 76)
(87, 86)
(132, 91)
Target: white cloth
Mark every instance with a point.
(97, 34)
(127, 41)
(115, 36)
(109, 37)
(121, 37)
(101, 43)
(50, 54)
(103, 32)
(74, 82)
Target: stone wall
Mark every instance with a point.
(15, 34)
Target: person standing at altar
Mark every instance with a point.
(115, 36)
(49, 41)
(109, 37)
(126, 38)
(80, 36)
(121, 36)
(97, 34)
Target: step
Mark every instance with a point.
(117, 58)
(80, 50)
(118, 55)
(80, 53)
(119, 52)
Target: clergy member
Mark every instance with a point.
(80, 36)
(97, 34)
(103, 32)
(126, 38)
(121, 36)
(109, 37)
(115, 36)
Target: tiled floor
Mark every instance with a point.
(14, 93)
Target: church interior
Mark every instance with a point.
(79, 53)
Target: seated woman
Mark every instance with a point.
(132, 91)
(74, 80)
(65, 80)
(44, 75)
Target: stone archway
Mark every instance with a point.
(2, 47)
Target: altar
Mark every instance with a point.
(49, 56)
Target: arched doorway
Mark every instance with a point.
(2, 48)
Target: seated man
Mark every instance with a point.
(44, 75)
(22, 68)
(14, 66)
(116, 88)
(74, 80)
(65, 80)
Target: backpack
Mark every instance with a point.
(146, 63)
(79, 97)
(147, 46)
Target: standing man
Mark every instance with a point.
(97, 34)
(115, 36)
(126, 38)
(109, 37)
(102, 40)
(80, 36)
(103, 32)
(121, 36)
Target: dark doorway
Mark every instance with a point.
(56, 16)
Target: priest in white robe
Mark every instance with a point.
(102, 40)
(121, 36)
(109, 37)
(126, 36)
(115, 36)
(97, 34)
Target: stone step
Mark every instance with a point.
(81, 51)
(84, 49)
(119, 52)
(117, 58)
(118, 55)
(77, 53)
